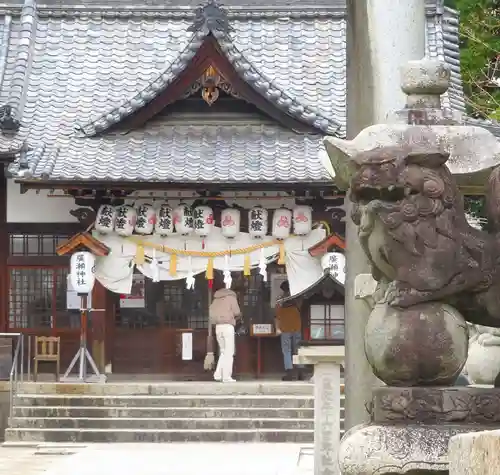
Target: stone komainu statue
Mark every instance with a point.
(414, 230)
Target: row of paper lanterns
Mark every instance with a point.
(184, 220)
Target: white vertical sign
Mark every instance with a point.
(187, 346)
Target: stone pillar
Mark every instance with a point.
(327, 361)
(382, 36)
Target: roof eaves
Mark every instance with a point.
(451, 47)
(312, 289)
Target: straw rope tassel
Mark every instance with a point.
(281, 260)
(246, 266)
(140, 257)
(173, 265)
(210, 269)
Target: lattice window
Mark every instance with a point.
(37, 298)
(195, 304)
(35, 244)
(327, 322)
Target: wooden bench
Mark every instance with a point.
(47, 349)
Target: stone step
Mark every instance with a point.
(156, 412)
(140, 423)
(242, 388)
(28, 435)
(171, 401)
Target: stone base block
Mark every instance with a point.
(449, 405)
(412, 427)
(398, 449)
(475, 453)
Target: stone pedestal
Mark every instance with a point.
(412, 427)
(475, 453)
(327, 361)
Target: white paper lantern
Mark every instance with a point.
(82, 274)
(105, 219)
(302, 220)
(183, 219)
(335, 263)
(257, 222)
(126, 218)
(230, 220)
(203, 220)
(146, 218)
(165, 221)
(282, 223)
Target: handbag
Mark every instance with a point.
(240, 328)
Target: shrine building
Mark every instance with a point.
(185, 141)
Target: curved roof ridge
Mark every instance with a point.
(274, 94)
(23, 58)
(147, 94)
(211, 19)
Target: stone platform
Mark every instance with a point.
(411, 429)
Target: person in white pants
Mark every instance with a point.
(224, 333)
(223, 313)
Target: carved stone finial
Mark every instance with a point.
(8, 123)
(211, 17)
(424, 82)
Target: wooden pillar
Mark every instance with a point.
(4, 253)
(99, 330)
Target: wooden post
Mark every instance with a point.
(99, 324)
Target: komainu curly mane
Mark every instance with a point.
(413, 228)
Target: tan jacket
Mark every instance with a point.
(224, 308)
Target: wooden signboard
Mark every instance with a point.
(262, 329)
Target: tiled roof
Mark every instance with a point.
(184, 154)
(272, 86)
(83, 64)
(87, 65)
(443, 43)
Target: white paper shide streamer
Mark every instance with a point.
(190, 280)
(155, 269)
(228, 280)
(263, 265)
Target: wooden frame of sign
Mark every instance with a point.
(83, 241)
(262, 329)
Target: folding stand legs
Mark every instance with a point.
(83, 355)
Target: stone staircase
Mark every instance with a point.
(162, 412)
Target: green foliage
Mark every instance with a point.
(480, 55)
(475, 206)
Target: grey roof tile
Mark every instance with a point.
(275, 48)
(89, 60)
(183, 154)
(83, 67)
(27, 27)
(442, 42)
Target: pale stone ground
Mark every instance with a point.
(158, 459)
